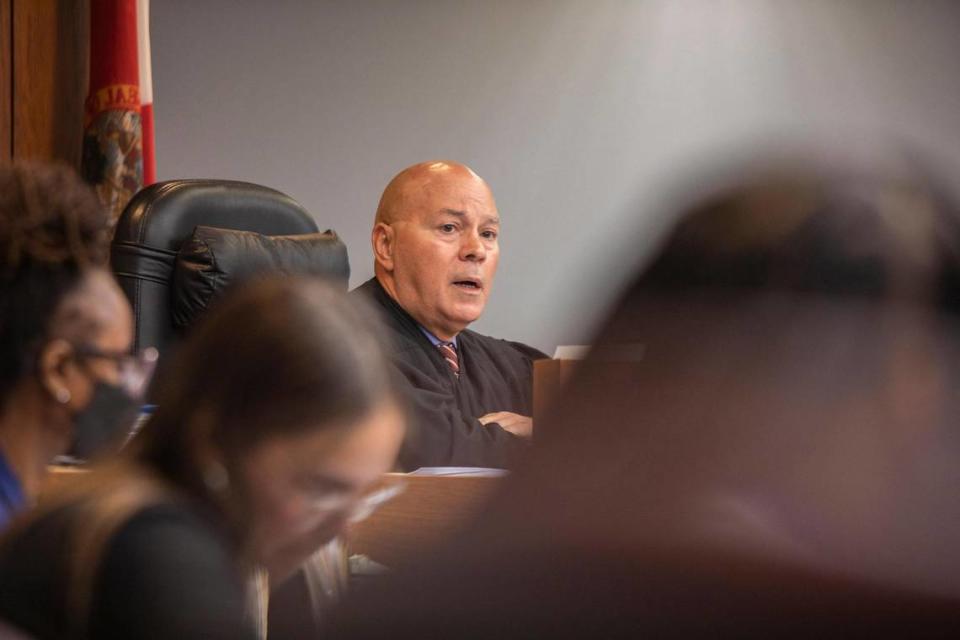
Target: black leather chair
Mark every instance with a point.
(161, 217)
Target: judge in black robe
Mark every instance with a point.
(436, 248)
(495, 375)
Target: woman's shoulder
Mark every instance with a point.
(175, 533)
(163, 569)
(169, 571)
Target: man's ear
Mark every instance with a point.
(382, 239)
(53, 373)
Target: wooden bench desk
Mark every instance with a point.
(429, 509)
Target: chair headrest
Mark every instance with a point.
(211, 260)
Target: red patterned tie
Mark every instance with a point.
(449, 353)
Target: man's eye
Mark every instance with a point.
(489, 235)
(448, 228)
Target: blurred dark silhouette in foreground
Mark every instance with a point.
(784, 459)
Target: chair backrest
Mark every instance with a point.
(160, 217)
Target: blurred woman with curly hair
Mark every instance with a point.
(65, 328)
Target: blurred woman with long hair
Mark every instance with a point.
(276, 415)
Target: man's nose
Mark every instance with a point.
(472, 248)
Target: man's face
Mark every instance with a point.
(445, 252)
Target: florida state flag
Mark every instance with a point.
(118, 122)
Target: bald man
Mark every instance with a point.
(436, 248)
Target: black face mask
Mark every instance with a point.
(104, 422)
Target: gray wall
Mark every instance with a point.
(577, 112)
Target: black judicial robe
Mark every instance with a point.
(443, 430)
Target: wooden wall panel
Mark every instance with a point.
(50, 52)
(6, 80)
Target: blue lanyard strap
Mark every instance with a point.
(11, 494)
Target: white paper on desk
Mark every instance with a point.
(372, 501)
(571, 351)
(619, 352)
(483, 472)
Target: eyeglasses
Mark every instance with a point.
(134, 369)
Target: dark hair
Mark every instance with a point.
(52, 230)
(837, 235)
(280, 355)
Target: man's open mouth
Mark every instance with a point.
(473, 285)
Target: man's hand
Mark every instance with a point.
(513, 422)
